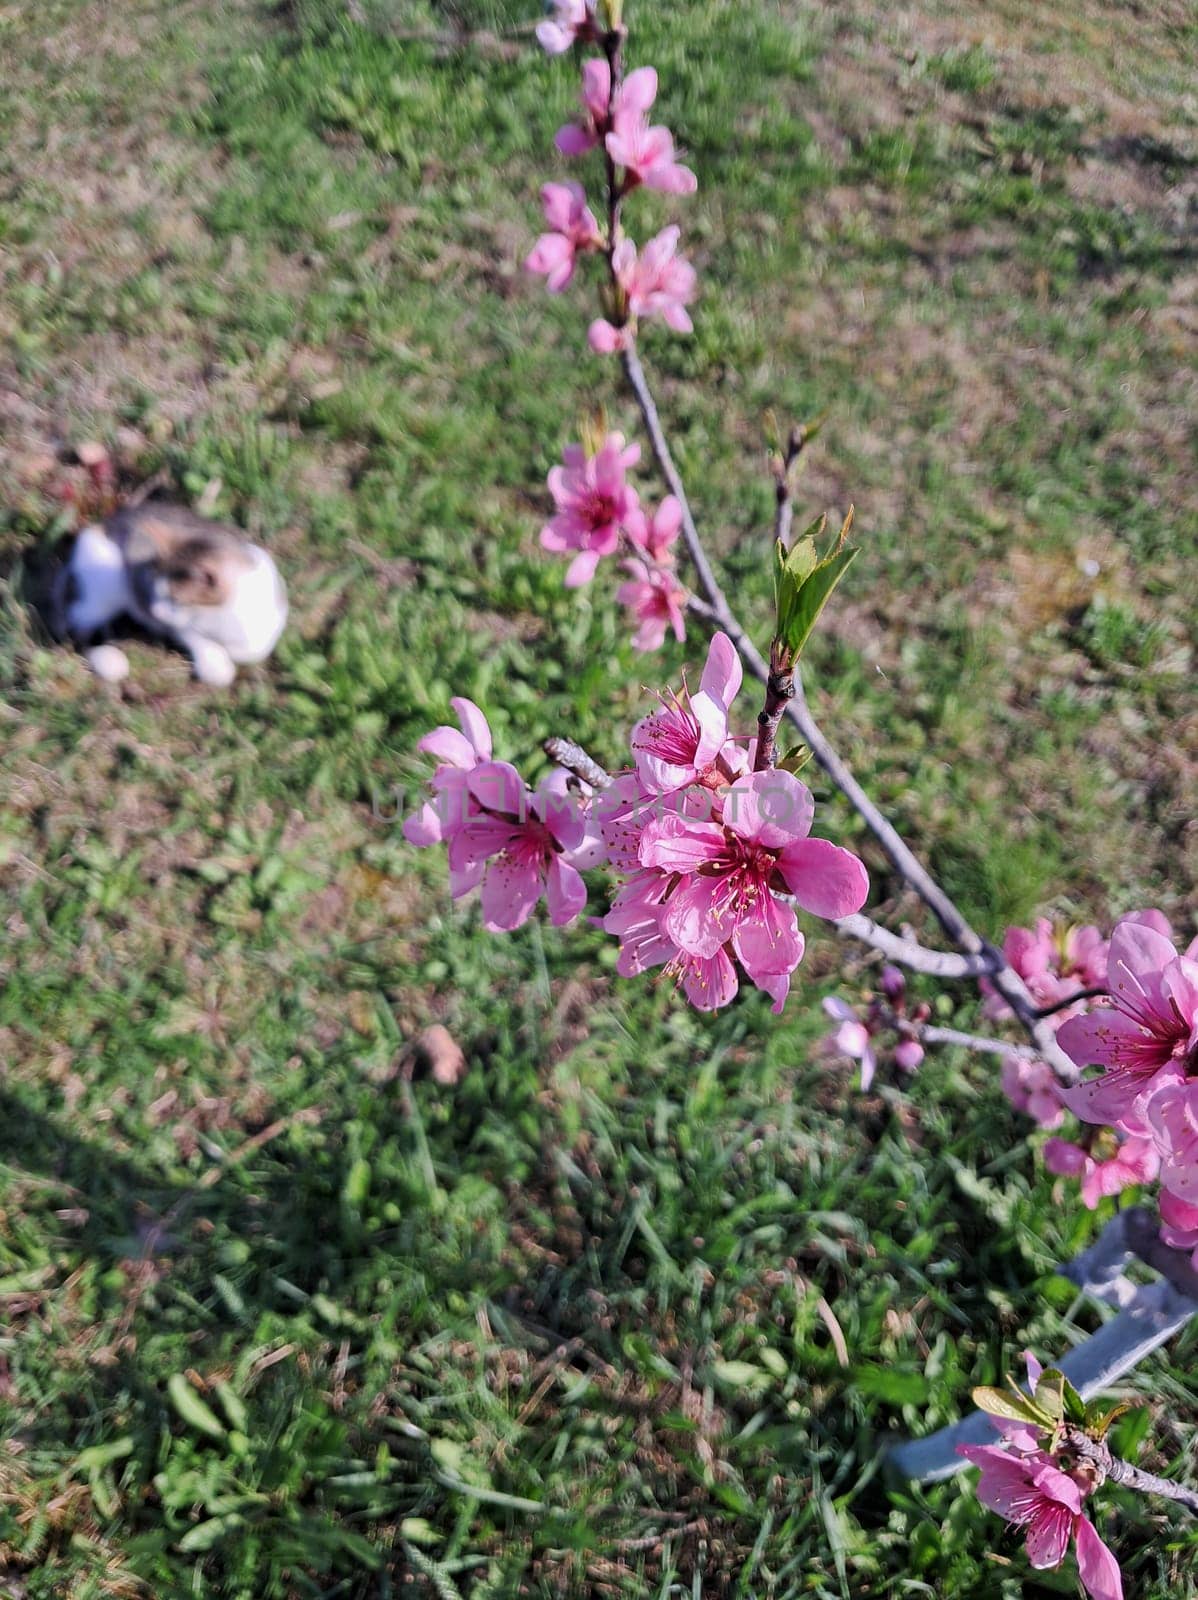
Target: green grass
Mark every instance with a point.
(557, 1329)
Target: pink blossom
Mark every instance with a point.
(572, 20)
(1180, 1224)
(908, 1054)
(646, 153)
(1053, 964)
(893, 983)
(459, 754)
(1033, 1088)
(730, 875)
(657, 601)
(521, 846)
(594, 504)
(656, 534)
(639, 906)
(1031, 1492)
(576, 138)
(852, 1038)
(573, 231)
(606, 339)
(1148, 1036)
(713, 864)
(657, 283)
(1134, 1162)
(681, 743)
(1171, 1112)
(1154, 919)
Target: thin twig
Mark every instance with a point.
(308, 1117)
(910, 953)
(1070, 1000)
(1006, 981)
(1125, 1474)
(576, 760)
(779, 692)
(613, 49)
(980, 1042)
(783, 487)
(907, 952)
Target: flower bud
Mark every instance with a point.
(894, 984)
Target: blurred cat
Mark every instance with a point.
(200, 583)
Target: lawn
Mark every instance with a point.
(634, 1306)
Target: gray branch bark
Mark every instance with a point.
(912, 871)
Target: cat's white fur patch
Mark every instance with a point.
(108, 661)
(218, 638)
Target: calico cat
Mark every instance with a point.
(199, 583)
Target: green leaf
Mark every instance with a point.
(1050, 1393)
(803, 612)
(192, 1409)
(803, 582)
(1075, 1406)
(1010, 1405)
(1098, 1422)
(795, 759)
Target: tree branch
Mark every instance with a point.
(972, 1041)
(576, 760)
(1070, 1000)
(783, 470)
(1151, 1317)
(910, 953)
(779, 692)
(716, 610)
(1125, 1474)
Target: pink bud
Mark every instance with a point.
(908, 1054)
(894, 984)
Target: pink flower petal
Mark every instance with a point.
(566, 892)
(679, 844)
(691, 919)
(1096, 1565)
(447, 744)
(770, 942)
(1064, 1159)
(474, 726)
(1005, 1485)
(423, 827)
(497, 786)
(1048, 1535)
(773, 809)
(605, 338)
(638, 91)
(722, 671)
(709, 984)
(1138, 952)
(573, 140)
(582, 569)
(510, 891)
(824, 879)
(1098, 1037)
